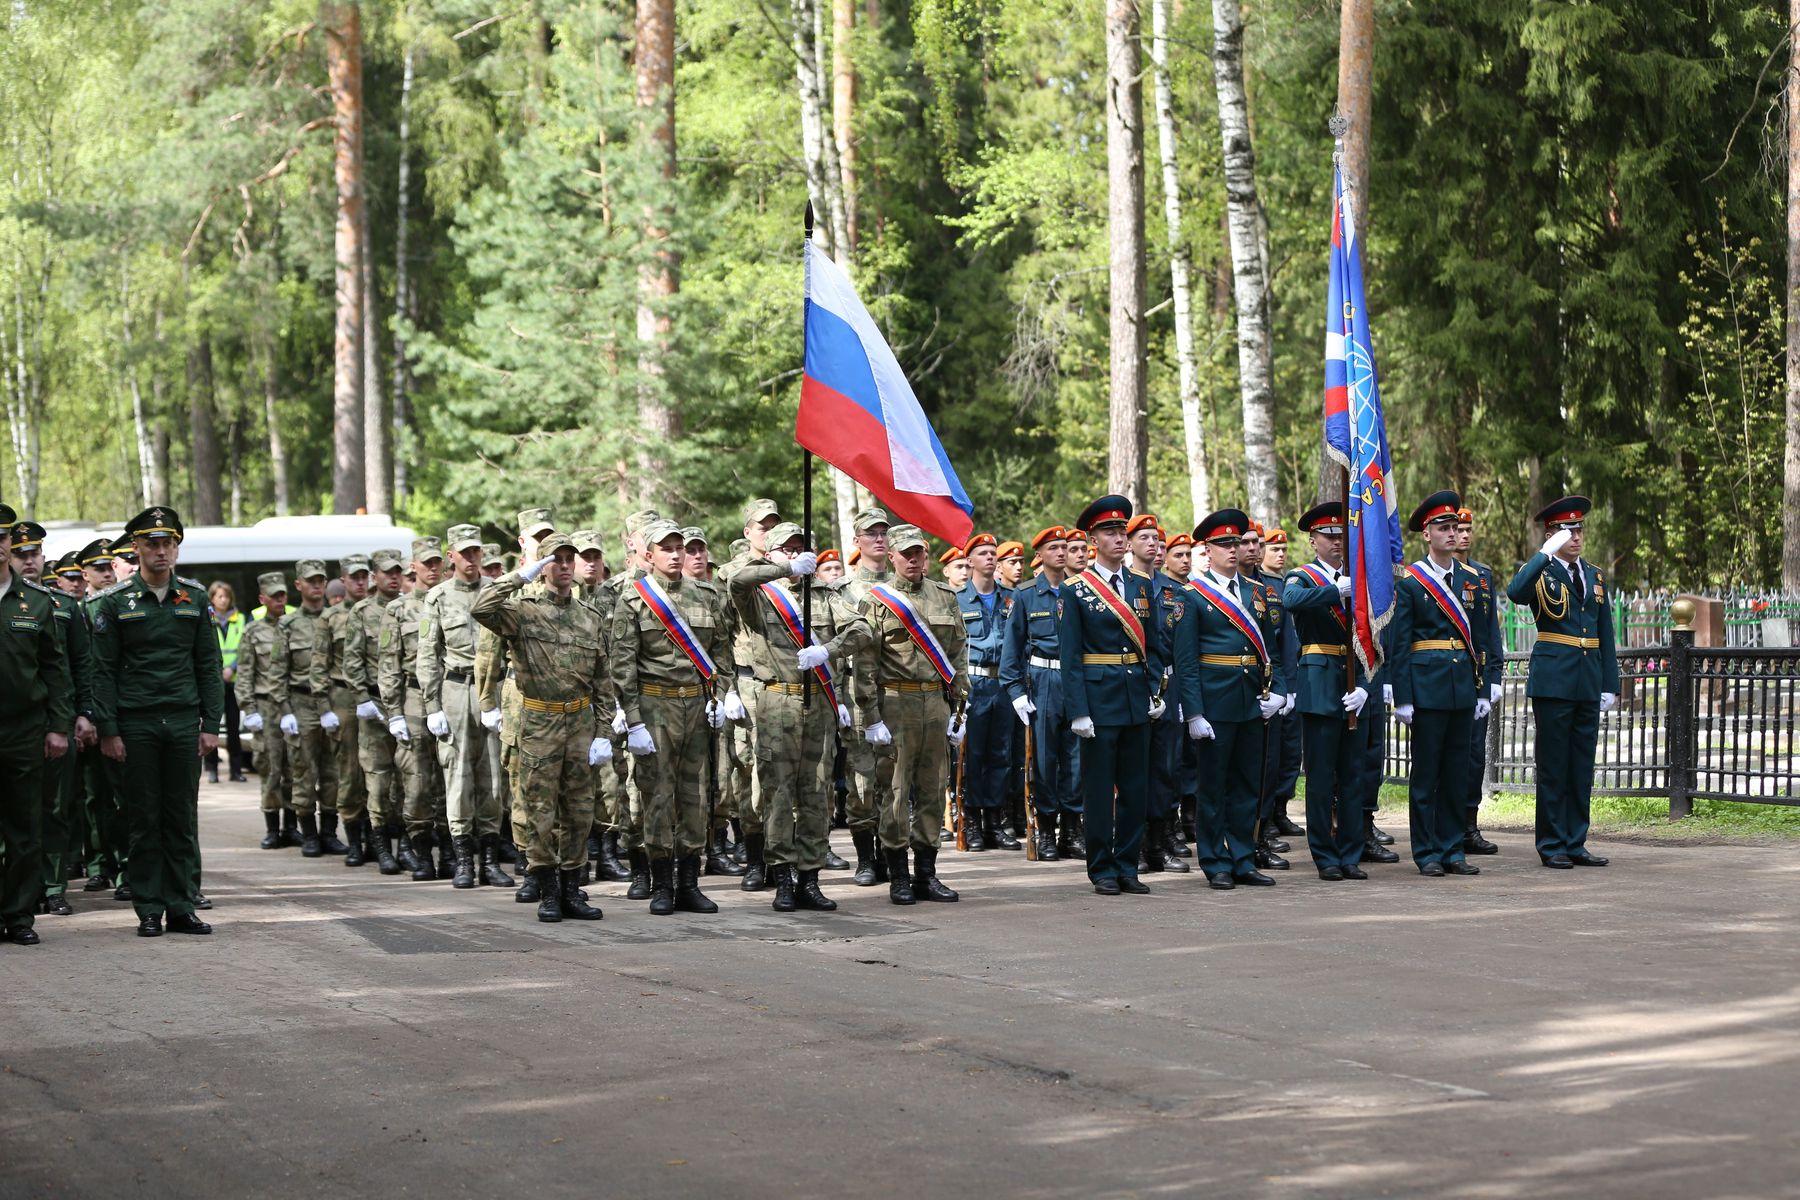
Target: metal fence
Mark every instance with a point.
(1714, 723)
(1754, 619)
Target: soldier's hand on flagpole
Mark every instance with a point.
(803, 563)
(811, 657)
(1387, 694)
(1354, 699)
(1200, 729)
(957, 729)
(599, 751)
(1343, 587)
(397, 727)
(1555, 542)
(639, 741)
(1082, 727)
(1024, 707)
(878, 735)
(1607, 700)
(1482, 708)
(734, 707)
(715, 714)
(1404, 712)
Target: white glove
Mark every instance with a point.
(957, 729)
(1354, 699)
(252, 723)
(639, 741)
(1482, 709)
(328, 721)
(290, 725)
(397, 727)
(812, 656)
(1200, 729)
(490, 719)
(1271, 705)
(618, 720)
(599, 751)
(368, 710)
(878, 735)
(1158, 706)
(533, 569)
(1082, 727)
(734, 707)
(1024, 707)
(1288, 707)
(1555, 542)
(1343, 587)
(803, 563)
(1607, 700)
(1494, 691)
(1387, 693)
(438, 724)
(843, 716)
(715, 714)
(1405, 713)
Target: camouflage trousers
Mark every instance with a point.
(555, 787)
(740, 789)
(346, 740)
(868, 779)
(921, 757)
(469, 758)
(311, 757)
(375, 755)
(794, 748)
(671, 784)
(416, 760)
(271, 759)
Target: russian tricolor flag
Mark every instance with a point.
(858, 413)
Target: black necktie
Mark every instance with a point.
(1232, 587)
(1118, 585)
(1575, 573)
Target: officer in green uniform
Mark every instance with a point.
(108, 837)
(362, 669)
(1435, 672)
(37, 716)
(255, 684)
(1574, 678)
(331, 680)
(159, 694)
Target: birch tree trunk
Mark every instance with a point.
(402, 283)
(1180, 266)
(1128, 443)
(654, 62)
(1790, 461)
(843, 109)
(343, 58)
(1249, 269)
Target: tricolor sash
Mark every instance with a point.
(675, 625)
(1234, 613)
(1323, 580)
(915, 628)
(1115, 604)
(783, 604)
(1450, 604)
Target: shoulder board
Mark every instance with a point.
(38, 587)
(193, 583)
(123, 583)
(943, 587)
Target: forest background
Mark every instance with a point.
(451, 258)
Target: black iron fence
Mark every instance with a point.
(1718, 724)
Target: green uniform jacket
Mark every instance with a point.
(77, 642)
(557, 648)
(1435, 677)
(1559, 670)
(34, 671)
(156, 656)
(641, 651)
(1487, 615)
(891, 654)
(769, 649)
(257, 654)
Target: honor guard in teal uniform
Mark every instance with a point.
(1284, 771)
(1031, 673)
(1168, 600)
(1229, 676)
(1112, 672)
(1493, 668)
(1436, 675)
(1269, 846)
(37, 717)
(1574, 678)
(159, 694)
(1316, 595)
(987, 750)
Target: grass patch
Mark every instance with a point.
(1640, 817)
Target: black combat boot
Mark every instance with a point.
(309, 837)
(328, 838)
(662, 886)
(491, 874)
(1149, 851)
(272, 838)
(593, 845)
(1375, 833)
(574, 900)
(403, 847)
(529, 887)
(688, 896)
(1473, 842)
(423, 869)
(832, 861)
(464, 863)
(783, 875)
(549, 898)
(384, 852)
(864, 840)
(640, 888)
(1284, 824)
(973, 833)
(1065, 834)
(755, 873)
(998, 835)
(1077, 837)
(900, 889)
(879, 855)
(290, 828)
(446, 845)
(739, 854)
(353, 849)
(1172, 840)
(808, 895)
(1170, 860)
(718, 856)
(1046, 837)
(608, 868)
(1190, 806)
(925, 880)
(1374, 850)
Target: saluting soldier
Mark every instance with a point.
(908, 682)
(306, 715)
(987, 747)
(403, 701)
(1574, 678)
(869, 768)
(1112, 666)
(159, 693)
(1031, 673)
(557, 649)
(1435, 672)
(1493, 670)
(1230, 678)
(612, 820)
(330, 679)
(37, 704)
(1144, 542)
(258, 654)
(362, 669)
(1317, 597)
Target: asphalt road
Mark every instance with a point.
(1632, 1031)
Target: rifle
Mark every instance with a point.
(962, 755)
(1262, 788)
(1031, 824)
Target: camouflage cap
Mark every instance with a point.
(425, 549)
(554, 542)
(691, 534)
(868, 518)
(784, 533)
(387, 559)
(636, 522)
(490, 550)
(463, 537)
(902, 538)
(350, 564)
(660, 530)
(309, 568)
(740, 547)
(588, 539)
(272, 583)
(760, 509)
(534, 522)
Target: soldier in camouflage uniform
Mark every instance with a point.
(670, 647)
(555, 644)
(795, 738)
(404, 703)
(742, 794)
(306, 715)
(869, 775)
(255, 684)
(362, 668)
(330, 679)
(611, 818)
(630, 799)
(906, 695)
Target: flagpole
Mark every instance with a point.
(806, 474)
(1340, 127)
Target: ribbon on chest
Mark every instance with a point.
(1445, 600)
(783, 604)
(1114, 604)
(675, 625)
(916, 629)
(1233, 612)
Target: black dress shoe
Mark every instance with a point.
(122, 892)
(1132, 887)
(1560, 862)
(1461, 868)
(1107, 887)
(1376, 852)
(1271, 842)
(1436, 870)
(57, 906)
(96, 883)
(187, 923)
(150, 926)
(1221, 881)
(1254, 879)
(1268, 860)
(1331, 874)
(1284, 825)
(1378, 834)
(1354, 872)
(1474, 843)
(1585, 859)
(22, 936)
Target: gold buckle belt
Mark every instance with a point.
(1110, 660)
(781, 689)
(554, 706)
(676, 691)
(1439, 644)
(1564, 639)
(910, 685)
(1230, 660)
(1335, 651)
